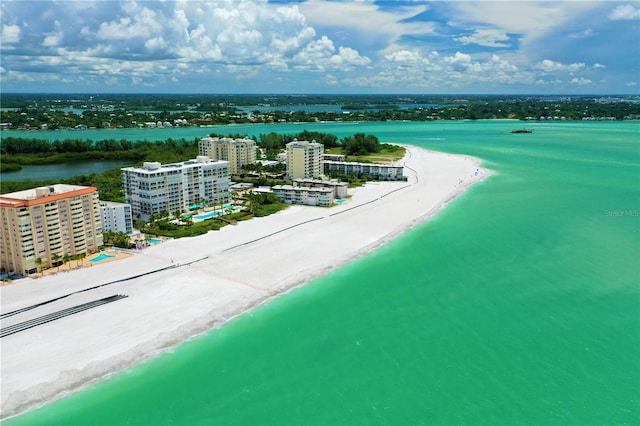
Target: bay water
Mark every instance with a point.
(62, 171)
(517, 304)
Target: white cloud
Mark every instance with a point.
(584, 34)
(320, 55)
(531, 20)
(51, 40)
(581, 81)
(329, 79)
(363, 16)
(389, 45)
(459, 61)
(410, 69)
(632, 83)
(485, 37)
(624, 12)
(548, 65)
(10, 34)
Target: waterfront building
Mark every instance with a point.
(374, 171)
(316, 196)
(155, 188)
(116, 217)
(339, 188)
(46, 223)
(304, 159)
(237, 152)
(333, 157)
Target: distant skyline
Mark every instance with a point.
(320, 46)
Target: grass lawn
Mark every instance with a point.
(388, 154)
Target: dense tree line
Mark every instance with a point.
(360, 144)
(127, 111)
(12, 147)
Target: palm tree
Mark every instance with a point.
(39, 265)
(80, 259)
(65, 259)
(55, 257)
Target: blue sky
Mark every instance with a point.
(320, 46)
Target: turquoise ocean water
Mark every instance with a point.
(518, 304)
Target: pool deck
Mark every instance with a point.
(73, 265)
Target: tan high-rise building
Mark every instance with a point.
(42, 222)
(237, 152)
(304, 159)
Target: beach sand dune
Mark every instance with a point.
(195, 284)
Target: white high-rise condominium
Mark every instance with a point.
(116, 217)
(155, 188)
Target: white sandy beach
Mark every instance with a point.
(235, 269)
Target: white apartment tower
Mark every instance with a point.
(116, 217)
(237, 152)
(304, 159)
(41, 223)
(155, 188)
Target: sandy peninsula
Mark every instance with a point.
(193, 285)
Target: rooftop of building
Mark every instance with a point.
(296, 142)
(155, 166)
(43, 194)
(309, 181)
(226, 140)
(301, 188)
(361, 164)
(113, 204)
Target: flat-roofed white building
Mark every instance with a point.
(375, 171)
(321, 196)
(237, 152)
(304, 159)
(340, 189)
(116, 217)
(155, 188)
(42, 223)
(333, 157)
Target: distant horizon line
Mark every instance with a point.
(316, 94)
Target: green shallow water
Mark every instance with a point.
(518, 304)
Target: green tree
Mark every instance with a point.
(39, 265)
(360, 144)
(55, 258)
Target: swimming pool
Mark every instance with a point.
(100, 257)
(340, 201)
(154, 240)
(207, 216)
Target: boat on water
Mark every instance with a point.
(522, 131)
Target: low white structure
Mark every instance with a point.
(116, 217)
(333, 157)
(375, 171)
(339, 188)
(290, 194)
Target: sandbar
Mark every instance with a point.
(193, 285)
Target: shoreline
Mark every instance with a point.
(212, 290)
